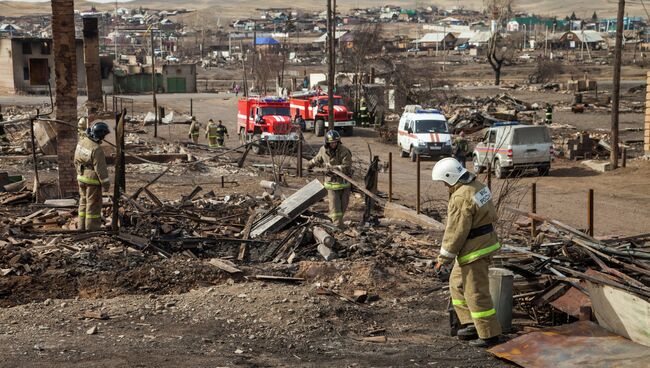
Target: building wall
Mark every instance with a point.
(13, 62)
(6, 65)
(187, 71)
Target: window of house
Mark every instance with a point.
(39, 72)
(26, 72)
(46, 48)
(27, 48)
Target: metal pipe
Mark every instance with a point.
(390, 176)
(590, 212)
(533, 209)
(417, 206)
(299, 159)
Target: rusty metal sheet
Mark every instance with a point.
(580, 344)
(571, 302)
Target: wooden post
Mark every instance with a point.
(299, 159)
(417, 205)
(533, 209)
(223, 183)
(119, 170)
(191, 107)
(590, 213)
(390, 176)
(153, 85)
(616, 88)
(624, 157)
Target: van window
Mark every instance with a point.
(407, 125)
(531, 135)
(492, 137)
(431, 126)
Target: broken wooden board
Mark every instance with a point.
(580, 344)
(621, 312)
(61, 203)
(289, 209)
(224, 265)
(279, 278)
(398, 212)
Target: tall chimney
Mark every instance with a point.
(91, 61)
(65, 69)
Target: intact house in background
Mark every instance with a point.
(27, 65)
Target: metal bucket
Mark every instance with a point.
(501, 291)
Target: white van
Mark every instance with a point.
(511, 146)
(423, 132)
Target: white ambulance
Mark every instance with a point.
(423, 132)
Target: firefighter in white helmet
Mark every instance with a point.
(468, 243)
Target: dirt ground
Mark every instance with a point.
(179, 312)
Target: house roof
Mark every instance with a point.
(433, 37)
(323, 37)
(588, 36)
(266, 41)
(481, 37)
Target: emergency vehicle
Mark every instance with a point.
(265, 119)
(423, 132)
(314, 110)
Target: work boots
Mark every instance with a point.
(467, 333)
(485, 343)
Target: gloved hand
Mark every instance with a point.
(442, 263)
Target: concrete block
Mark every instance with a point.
(600, 166)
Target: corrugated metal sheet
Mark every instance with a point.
(580, 344)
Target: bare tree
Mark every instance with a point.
(355, 54)
(500, 52)
(499, 10)
(268, 67)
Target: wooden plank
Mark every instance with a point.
(398, 212)
(224, 265)
(289, 209)
(621, 312)
(278, 278)
(243, 247)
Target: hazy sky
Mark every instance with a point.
(92, 1)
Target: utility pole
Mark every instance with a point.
(153, 85)
(253, 70)
(616, 93)
(330, 69)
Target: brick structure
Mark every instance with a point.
(646, 131)
(65, 68)
(91, 61)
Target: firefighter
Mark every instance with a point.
(222, 132)
(333, 155)
(469, 242)
(549, 114)
(82, 127)
(211, 134)
(195, 129)
(363, 112)
(461, 148)
(92, 176)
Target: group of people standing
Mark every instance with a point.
(216, 133)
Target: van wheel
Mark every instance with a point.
(403, 153)
(477, 168)
(413, 155)
(498, 170)
(544, 170)
(258, 147)
(319, 128)
(348, 131)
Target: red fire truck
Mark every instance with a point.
(265, 120)
(314, 109)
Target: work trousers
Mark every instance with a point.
(338, 200)
(461, 158)
(469, 286)
(90, 207)
(220, 142)
(212, 142)
(195, 138)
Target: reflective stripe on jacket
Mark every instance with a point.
(470, 207)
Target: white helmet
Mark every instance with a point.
(448, 170)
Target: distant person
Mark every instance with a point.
(300, 122)
(549, 114)
(461, 149)
(195, 130)
(237, 89)
(222, 132)
(211, 134)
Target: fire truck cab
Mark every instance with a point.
(265, 121)
(314, 110)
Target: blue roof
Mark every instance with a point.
(266, 41)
